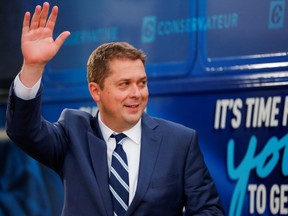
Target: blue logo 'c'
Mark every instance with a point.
(149, 29)
(276, 14)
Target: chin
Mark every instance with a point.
(133, 120)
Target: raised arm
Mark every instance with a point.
(37, 43)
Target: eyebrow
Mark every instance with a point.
(127, 79)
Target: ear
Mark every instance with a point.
(94, 90)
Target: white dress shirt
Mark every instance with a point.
(131, 145)
(23, 92)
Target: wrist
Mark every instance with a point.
(30, 74)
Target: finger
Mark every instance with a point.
(44, 14)
(26, 21)
(35, 17)
(52, 18)
(61, 38)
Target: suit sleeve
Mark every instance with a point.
(201, 194)
(39, 138)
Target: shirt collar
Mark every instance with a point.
(133, 133)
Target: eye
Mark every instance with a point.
(124, 84)
(143, 83)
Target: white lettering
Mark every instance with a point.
(284, 199)
(285, 112)
(262, 112)
(275, 111)
(252, 189)
(279, 199)
(250, 102)
(236, 120)
(274, 199)
(261, 199)
(220, 117)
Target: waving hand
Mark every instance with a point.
(37, 43)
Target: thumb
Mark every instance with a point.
(61, 38)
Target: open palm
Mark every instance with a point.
(38, 45)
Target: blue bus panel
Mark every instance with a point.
(243, 35)
(218, 66)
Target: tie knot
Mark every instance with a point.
(119, 137)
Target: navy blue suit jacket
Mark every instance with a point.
(172, 172)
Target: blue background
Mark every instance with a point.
(188, 72)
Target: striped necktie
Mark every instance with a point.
(119, 178)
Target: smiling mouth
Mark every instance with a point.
(132, 106)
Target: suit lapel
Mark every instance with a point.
(150, 145)
(98, 153)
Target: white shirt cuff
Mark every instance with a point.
(23, 92)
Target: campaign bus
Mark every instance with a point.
(218, 66)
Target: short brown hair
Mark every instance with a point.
(98, 62)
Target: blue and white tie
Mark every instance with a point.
(119, 178)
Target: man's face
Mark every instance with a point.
(125, 94)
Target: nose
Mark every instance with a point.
(135, 91)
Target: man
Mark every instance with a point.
(166, 170)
